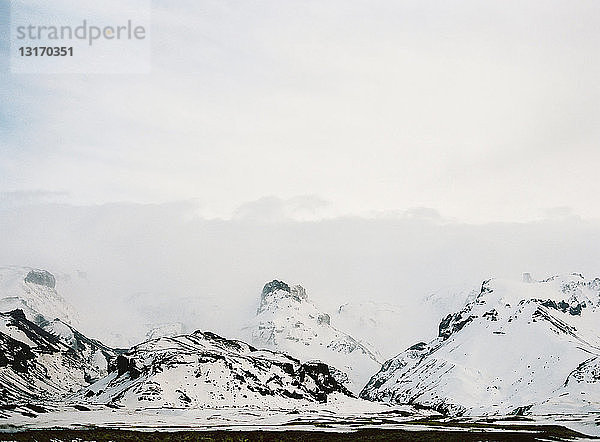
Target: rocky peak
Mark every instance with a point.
(41, 277)
(273, 286)
(296, 292)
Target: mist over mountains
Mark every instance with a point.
(154, 258)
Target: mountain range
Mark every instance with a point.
(529, 347)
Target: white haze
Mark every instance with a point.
(131, 262)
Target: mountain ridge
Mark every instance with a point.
(511, 348)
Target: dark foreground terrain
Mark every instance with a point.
(446, 432)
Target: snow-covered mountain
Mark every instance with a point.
(203, 370)
(43, 355)
(288, 321)
(515, 347)
(34, 292)
(46, 363)
(374, 322)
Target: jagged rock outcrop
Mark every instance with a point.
(41, 277)
(296, 292)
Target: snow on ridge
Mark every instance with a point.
(204, 369)
(512, 348)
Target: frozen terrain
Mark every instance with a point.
(46, 363)
(517, 348)
(288, 321)
(517, 358)
(203, 370)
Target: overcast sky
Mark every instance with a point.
(483, 111)
(370, 150)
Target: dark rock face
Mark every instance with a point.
(273, 286)
(491, 315)
(453, 323)
(322, 377)
(563, 306)
(14, 354)
(296, 292)
(124, 365)
(420, 346)
(41, 277)
(324, 319)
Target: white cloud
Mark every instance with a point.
(483, 111)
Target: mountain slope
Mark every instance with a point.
(203, 369)
(514, 347)
(36, 364)
(287, 321)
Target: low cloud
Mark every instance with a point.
(29, 197)
(274, 209)
(199, 271)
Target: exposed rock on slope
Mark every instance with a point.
(204, 369)
(515, 347)
(36, 364)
